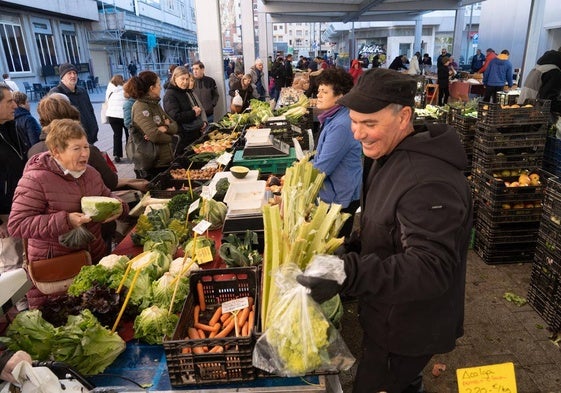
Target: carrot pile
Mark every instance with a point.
(208, 324)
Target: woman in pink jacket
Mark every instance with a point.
(47, 199)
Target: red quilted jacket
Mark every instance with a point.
(43, 198)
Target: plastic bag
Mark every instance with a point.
(78, 238)
(299, 338)
(36, 379)
(237, 100)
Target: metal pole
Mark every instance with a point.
(466, 61)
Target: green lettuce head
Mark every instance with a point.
(100, 208)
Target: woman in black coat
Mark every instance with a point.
(182, 106)
(443, 75)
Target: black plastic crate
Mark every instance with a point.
(511, 158)
(494, 181)
(507, 216)
(164, 186)
(514, 136)
(494, 254)
(494, 115)
(185, 367)
(495, 235)
(544, 293)
(548, 255)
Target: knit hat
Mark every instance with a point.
(378, 88)
(65, 68)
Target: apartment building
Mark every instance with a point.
(100, 37)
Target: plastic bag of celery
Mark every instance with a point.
(299, 339)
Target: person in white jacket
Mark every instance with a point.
(115, 99)
(414, 68)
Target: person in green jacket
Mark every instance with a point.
(150, 119)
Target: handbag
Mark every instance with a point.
(142, 152)
(103, 115)
(55, 275)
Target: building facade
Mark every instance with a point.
(100, 37)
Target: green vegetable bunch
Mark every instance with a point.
(153, 323)
(82, 343)
(236, 252)
(300, 335)
(163, 291)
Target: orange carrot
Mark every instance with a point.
(196, 313)
(224, 317)
(242, 316)
(251, 321)
(245, 329)
(207, 328)
(201, 295)
(193, 333)
(215, 316)
(228, 320)
(217, 349)
(198, 350)
(201, 333)
(226, 330)
(186, 350)
(213, 334)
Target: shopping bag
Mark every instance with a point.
(142, 152)
(103, 114)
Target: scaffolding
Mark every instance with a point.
(124, 37)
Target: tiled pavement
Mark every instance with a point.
(496, 331)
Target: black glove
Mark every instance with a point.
(351, 244)
(321, 289)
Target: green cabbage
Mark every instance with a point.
(163, 288)
(214, 212)
(153, 323)
(100, 208)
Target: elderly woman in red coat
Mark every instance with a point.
(47, 199)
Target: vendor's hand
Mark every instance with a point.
(114, 216)
(78, 219)
(163, 128)
(197, 110)
(4, 230)
(320, 288)
(19, 356)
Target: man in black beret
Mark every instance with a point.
(78, 97)
(407, 266)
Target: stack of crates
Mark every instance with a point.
(465, 127)
(508, 143)
(544, 294)
(552, 156)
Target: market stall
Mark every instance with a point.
(181, 221)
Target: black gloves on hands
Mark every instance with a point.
(321, 289)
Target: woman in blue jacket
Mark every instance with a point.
(338, 154)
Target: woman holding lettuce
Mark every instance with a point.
(47, 200)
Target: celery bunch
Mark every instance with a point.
(300, 228)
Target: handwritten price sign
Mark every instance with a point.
(495, 378)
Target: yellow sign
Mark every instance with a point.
(494, 378)
(204, 255)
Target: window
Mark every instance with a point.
(13, 44)
(70, 41)
(44, 41)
